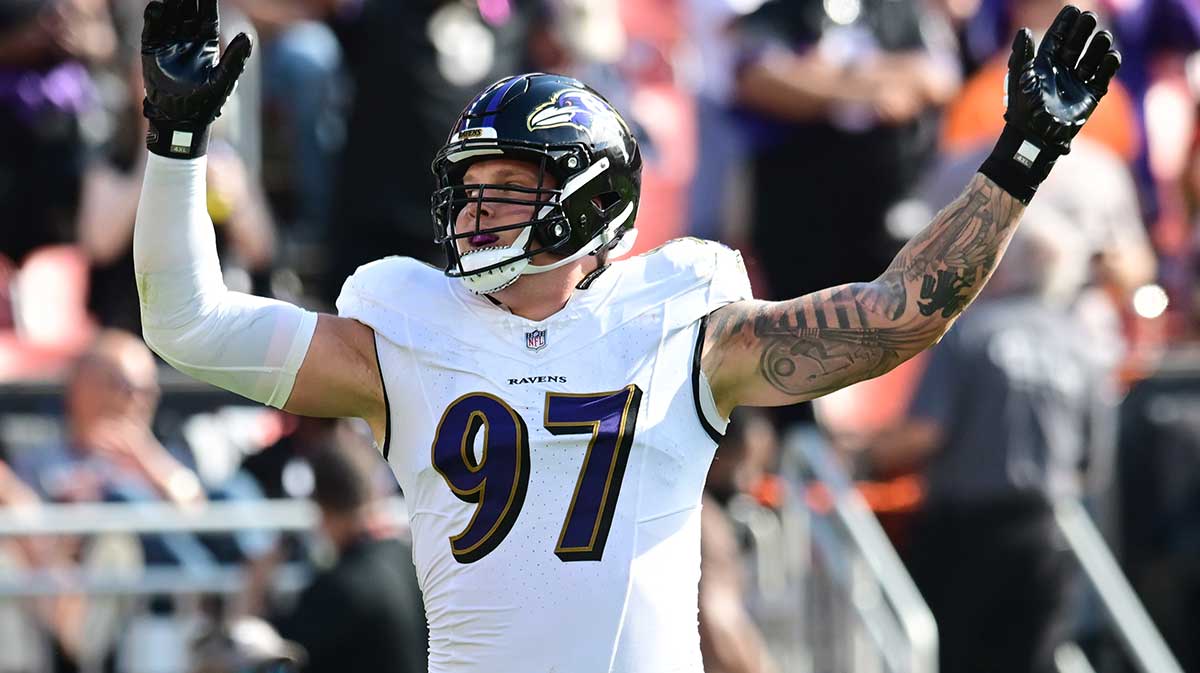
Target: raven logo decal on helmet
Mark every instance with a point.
(585, 111)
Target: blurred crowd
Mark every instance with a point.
(816, 136)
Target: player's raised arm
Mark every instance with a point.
(267, 350)
(776, 353)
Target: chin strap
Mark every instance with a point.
(486, 282)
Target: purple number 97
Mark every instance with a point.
(497, 482)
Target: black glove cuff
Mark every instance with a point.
(177, 140)
(1019, 163)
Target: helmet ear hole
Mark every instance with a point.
(551, 231)
(571, 163)
(606, 200)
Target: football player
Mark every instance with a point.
(551, 412)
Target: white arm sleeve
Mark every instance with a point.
(249, 345)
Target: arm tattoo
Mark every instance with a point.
(827, 340)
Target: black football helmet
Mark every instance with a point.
(568, 131)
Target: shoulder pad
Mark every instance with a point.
(695, 276)
(392, 285)
(701, 262)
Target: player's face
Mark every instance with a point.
(492, 214)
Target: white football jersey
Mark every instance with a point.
(553, 470)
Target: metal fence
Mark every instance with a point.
(830, 591)
(120, 613)
(1139, 637)
(832, 595)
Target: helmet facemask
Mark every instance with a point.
(491, 268)
(580, 197)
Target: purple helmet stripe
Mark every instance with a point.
(495, 102)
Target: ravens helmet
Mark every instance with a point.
(566, 130)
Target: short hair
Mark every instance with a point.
(344, 477)
(106, 348)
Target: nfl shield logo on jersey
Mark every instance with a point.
(535, 340)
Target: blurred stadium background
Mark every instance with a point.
(151, 524)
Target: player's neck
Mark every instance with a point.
(539, 296)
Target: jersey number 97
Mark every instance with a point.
(497, 481)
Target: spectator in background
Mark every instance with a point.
(716, 206)
(66, 631)
(302, 107)
(730, 641)
(13, 491)
(1156, 37)
(413, 65)
(24, 648)
(842, 111)
(282, 469)
(46, 47)
(841, 96)
(743, 466)
(18, 494)
(110, 451)
(8, 272)
(1012, 407)
(1148, 29)
(636, 54)
(363, 613)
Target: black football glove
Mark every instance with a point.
(185, 83)
(1050, 96)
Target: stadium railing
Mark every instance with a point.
(858, 607)
(124, 614)
(89, 519)
(1137, 633)
(830, 592)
